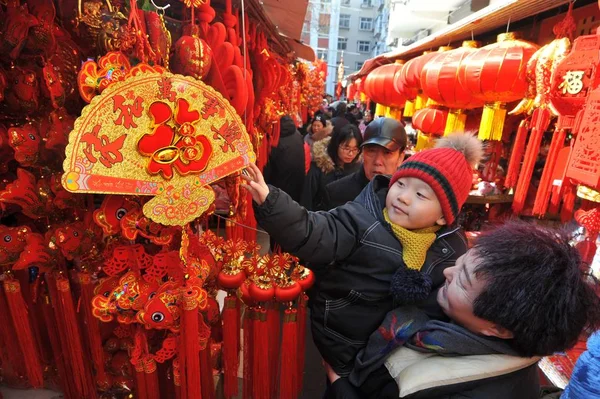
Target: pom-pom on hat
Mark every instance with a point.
(585, 380)
(448, 169)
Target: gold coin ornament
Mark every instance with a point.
(157, 134)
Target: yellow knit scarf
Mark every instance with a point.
(415, 243)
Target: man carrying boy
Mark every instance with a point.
(387, 248)
(518, 294)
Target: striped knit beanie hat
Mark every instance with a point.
(448, 169)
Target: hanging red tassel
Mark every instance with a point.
(206, 372)
(151, 378)
(59, 359)
(250, 233)
(25, 337)
(82, 377)
(533, 148)
(261, 371)
(517, 154)
(544, 189)
(249, 318)
(13, 366)
(140, 381)
(92, 328)
(190, 347)
(288, 380)
(231, 335)
(273, 320)
(568, 208)
(302, 301)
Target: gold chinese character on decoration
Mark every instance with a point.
(572, 82)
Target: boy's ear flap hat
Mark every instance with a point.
(448, 169)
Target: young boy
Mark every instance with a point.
(518, 294)
(387, 248)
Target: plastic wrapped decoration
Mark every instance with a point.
(379, 87)
(111, 149)
(439, 81)
(495, 74)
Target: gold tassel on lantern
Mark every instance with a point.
(394, 113)
(492, 121)
(424, 141)
(380, 110)
(421, 101)
(456, 122)
(409, 109)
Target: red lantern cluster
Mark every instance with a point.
(379, 86)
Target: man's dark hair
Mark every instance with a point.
(340, 136)
(534, 287)
(341, 109)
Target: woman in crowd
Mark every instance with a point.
(332, 158)
(318, 129)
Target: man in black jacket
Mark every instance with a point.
(285, 168)
(383, 152)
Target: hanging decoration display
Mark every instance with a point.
(495, 74)
(379, 87)
(439, 81)
(143, 136)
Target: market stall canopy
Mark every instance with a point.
(288, 18)
(482, 21)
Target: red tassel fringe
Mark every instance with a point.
(533, 148)
(92, 326)
(82, 377)
(59, 360)
(249, 318)
(13, 365)
(24, 333)
(302, 301)
(260, 359)
(288, 380)
(274, 320)
(569, 197)
(231, 336)
(544, 189)
(206, 372)
(140, 381)
(151, 378)
(189, 346)
(517, 154)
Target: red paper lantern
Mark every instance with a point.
(430, 120)
(495, 74)
(379, 86)
(408, 82)
(306, 278)
(261, 290)
(192, 56)
(439, 82)
(288, 291)
(231, 278)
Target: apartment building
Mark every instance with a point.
(353, 29)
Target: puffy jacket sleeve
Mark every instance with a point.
(319, 237)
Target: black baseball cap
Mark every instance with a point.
(386, 132)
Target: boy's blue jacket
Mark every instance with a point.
(354, 255)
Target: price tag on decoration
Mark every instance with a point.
(161, 135)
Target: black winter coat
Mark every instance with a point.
(285, 168)
(346, 189)
(322, 172)
(354, 254)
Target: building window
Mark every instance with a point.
(345, 2)
(344, 21)
(363, 46)
(358, 65)
(366, 24)
(322, 54)
(343, 43)
(366, 3)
